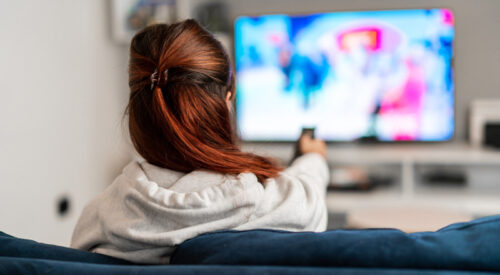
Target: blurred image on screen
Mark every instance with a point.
(382, 75)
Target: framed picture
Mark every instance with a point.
(130, 16)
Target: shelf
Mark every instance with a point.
(464, 201)
(471, 199)
(445, 153)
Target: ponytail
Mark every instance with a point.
(179, 76)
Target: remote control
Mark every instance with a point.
(309, 131)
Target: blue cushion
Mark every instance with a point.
(15, 247)
(473, 245)
(41, 266)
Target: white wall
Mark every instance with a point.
(63, 89)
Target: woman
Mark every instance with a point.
(194, 179)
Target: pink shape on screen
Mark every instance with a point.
(447, 15)
(276, 38)
(368, 37)
(408, 102)
(374, 37)
(404, 137)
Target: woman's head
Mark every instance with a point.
(180, 78)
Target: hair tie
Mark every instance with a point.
(155, 78)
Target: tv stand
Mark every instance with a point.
(476, 198)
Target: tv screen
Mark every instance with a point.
(376, 75)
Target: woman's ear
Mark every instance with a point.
(228, 101)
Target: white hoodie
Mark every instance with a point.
(149, 210)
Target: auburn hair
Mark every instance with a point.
(179, 76)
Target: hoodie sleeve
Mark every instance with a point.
(295, 200)
(312, 169)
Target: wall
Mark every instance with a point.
(63, 90)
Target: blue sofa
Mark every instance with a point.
(458, 248)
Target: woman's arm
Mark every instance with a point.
(295, 200)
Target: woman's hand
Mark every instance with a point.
(309, 145)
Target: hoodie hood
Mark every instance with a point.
(149, 210)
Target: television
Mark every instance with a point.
(359, 75)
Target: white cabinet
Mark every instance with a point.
(479, 197)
